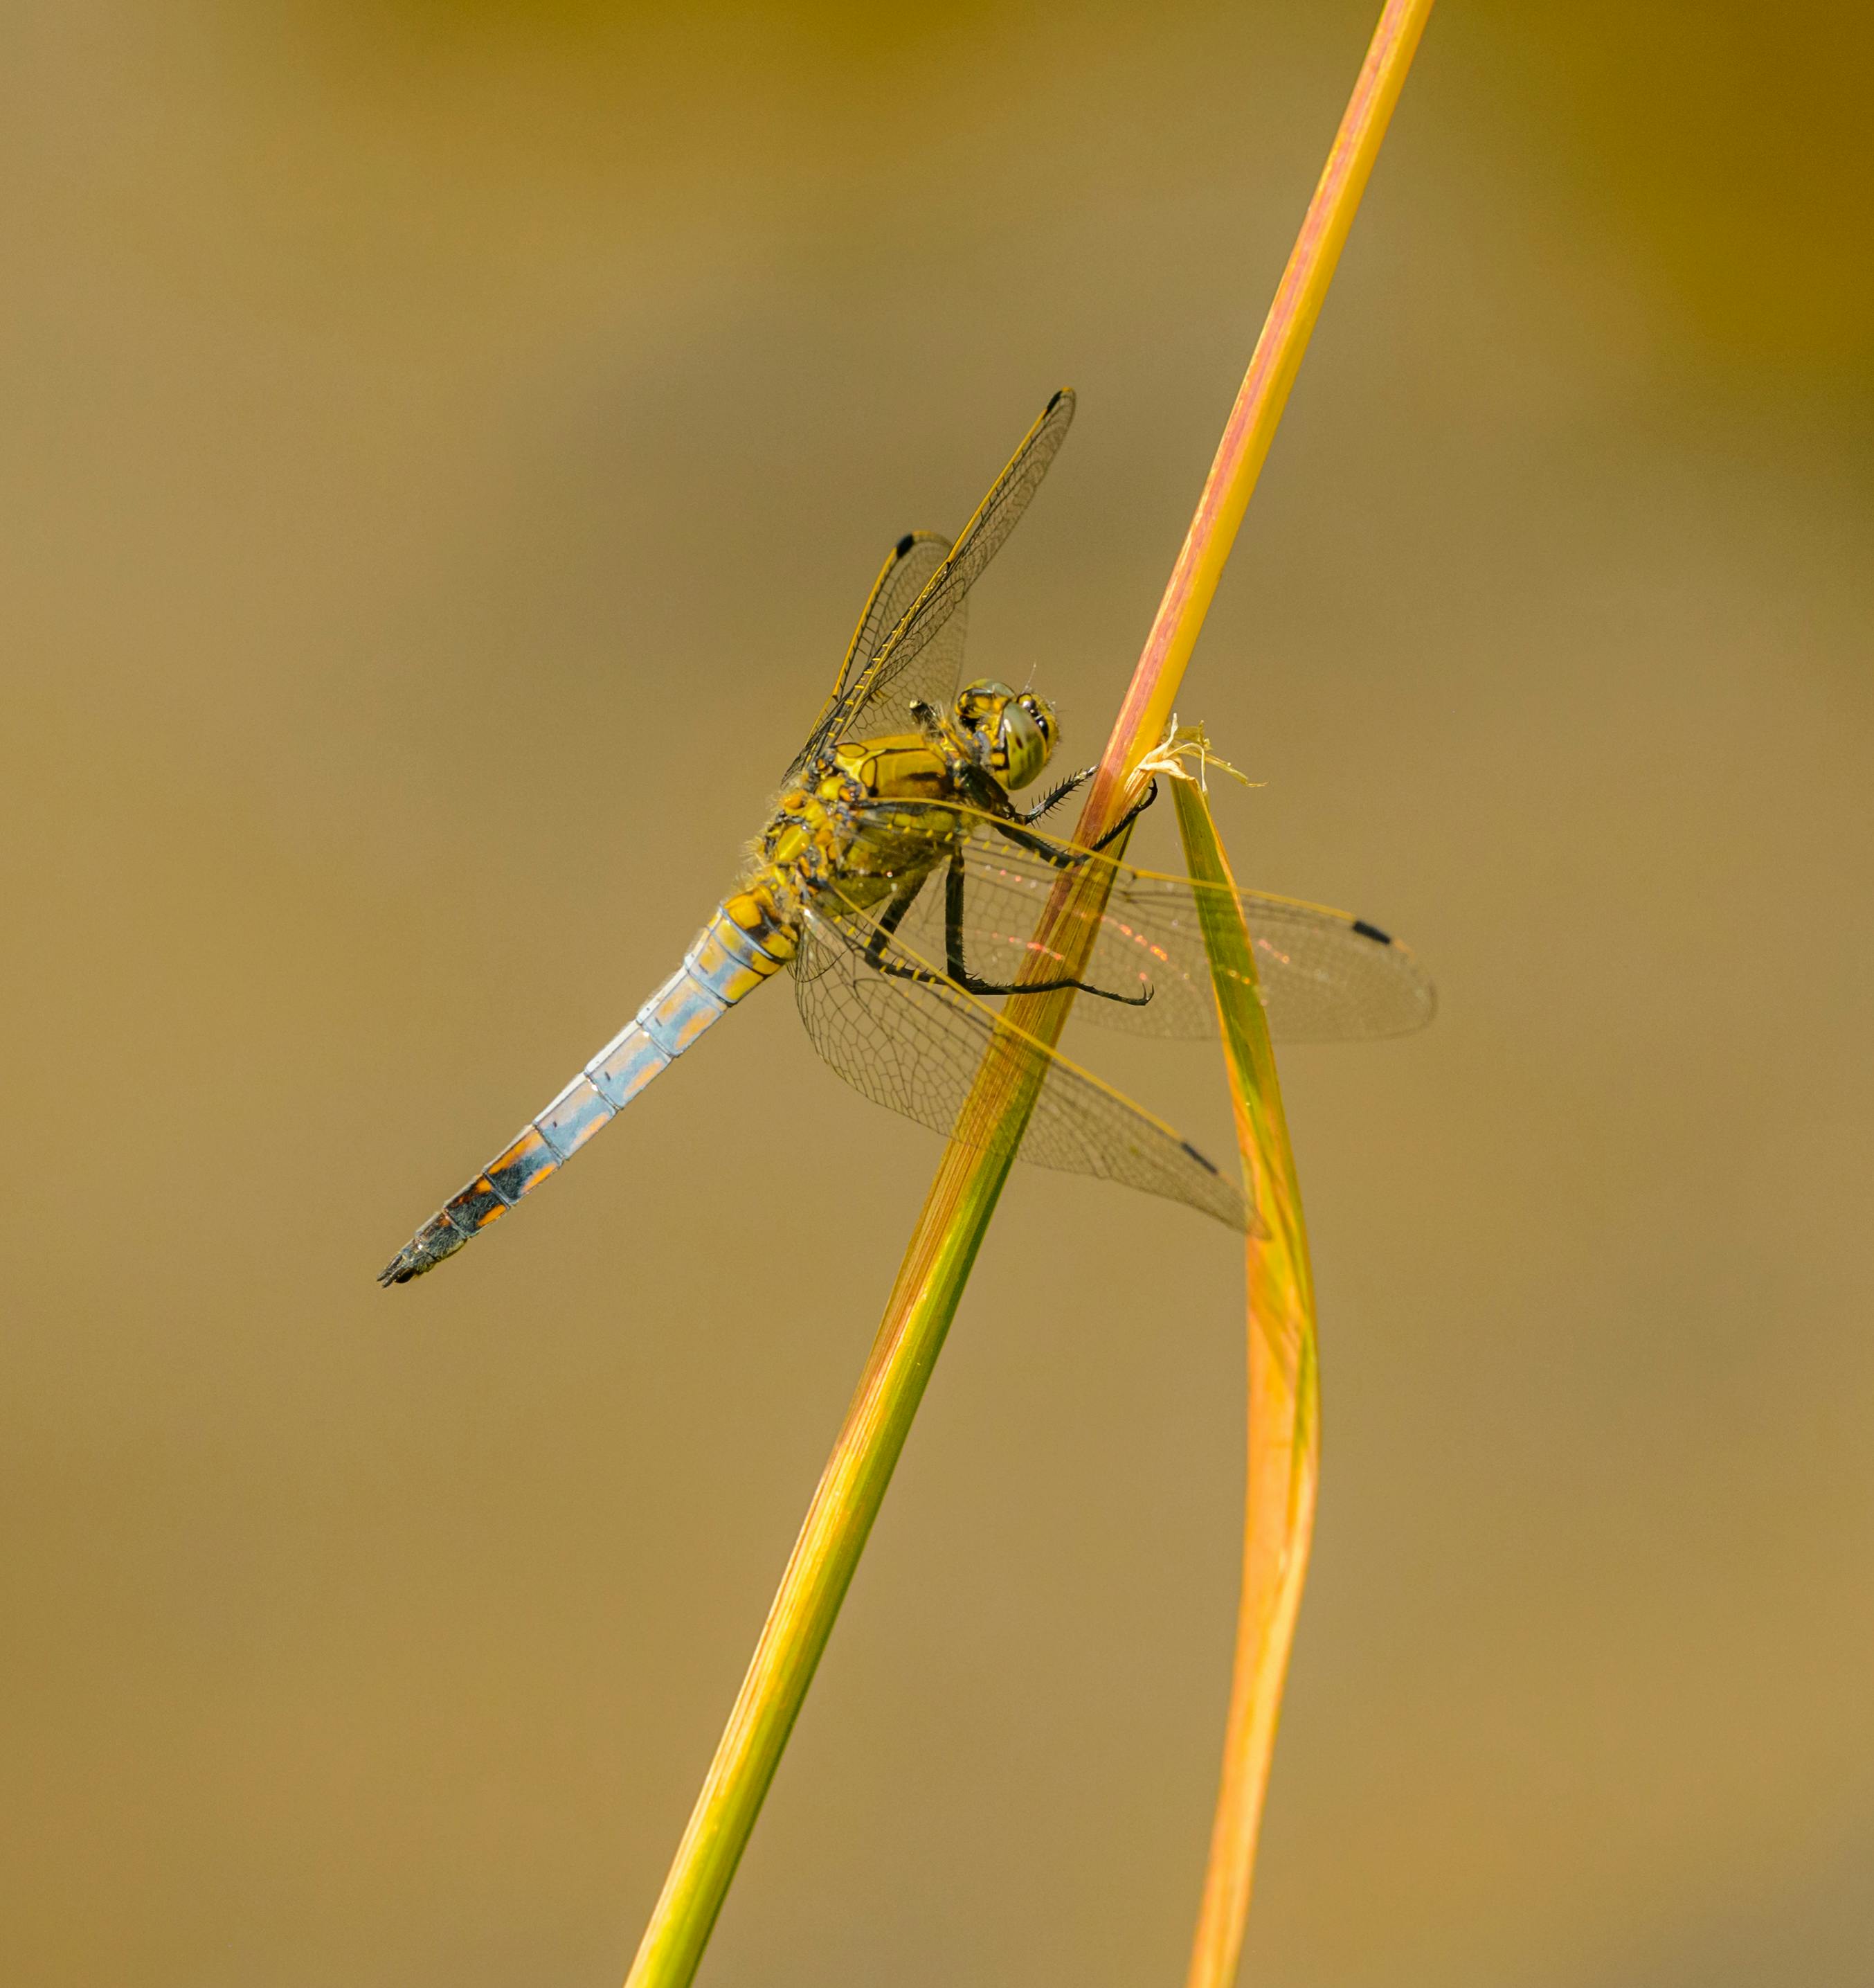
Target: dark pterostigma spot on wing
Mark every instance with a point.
(1372, 932)
(905, 544)
(1207, 1165)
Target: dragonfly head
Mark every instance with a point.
(1012, 734)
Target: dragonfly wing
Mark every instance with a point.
(915, 1044)
(1325, 976)
(904, 668)
(907, 570)
(928, 676)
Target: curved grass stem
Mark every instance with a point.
(1284, 1447)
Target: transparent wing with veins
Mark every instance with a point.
(906, 571)
(921, 655)
(1325, 976)
(914, 1041)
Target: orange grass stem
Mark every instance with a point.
(1273, 366)
(969, 1180)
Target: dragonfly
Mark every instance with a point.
(901, 882)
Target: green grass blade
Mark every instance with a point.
(1285, 1406)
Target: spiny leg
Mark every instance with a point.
(1131, 815)
(958, 968)
(893, 915)
(1039, 845)
(1067, 858)
(1054, 796)
(953, 922)
(889, 920)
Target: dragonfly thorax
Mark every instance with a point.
(837, 832)
(1012, 734)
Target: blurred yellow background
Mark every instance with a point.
(445, 448)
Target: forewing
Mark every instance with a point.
(915, 1046)
(928, 676)
(915, 661)
(1325, 976)
(906, 571)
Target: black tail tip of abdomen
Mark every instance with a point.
(423, 1251)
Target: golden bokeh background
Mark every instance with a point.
(445, 446)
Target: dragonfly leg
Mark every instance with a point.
(1061, 858)
(953, 921)
(957, 973)
(1131, 815)
(888, 921)
(1054, 796)
(958, 969)
(1066, 858)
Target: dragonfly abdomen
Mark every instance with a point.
(743, 944)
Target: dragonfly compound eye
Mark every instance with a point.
(1042, 712)
(1023, 741)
